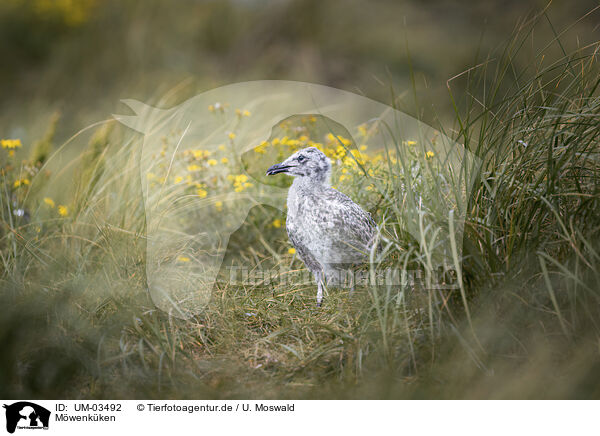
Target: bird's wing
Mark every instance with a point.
(302, 243)
(347, 230)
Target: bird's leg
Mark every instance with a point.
(319, 278)
(351, 274)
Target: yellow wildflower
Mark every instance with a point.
(183, 259)
(261, 148)
(219, 206)
(222, 147)
(231, 135)
(11, 143)
(49, 201)
(178, 179)
(240, 182)
(224, 160)
(21, 182)
(411, 143)
(276, 141)
(344, 141)
(246, 113)
(303, 138)
(201, 154)
(193, 167)
(277, 223)
(429, 154)
(62, 210)
(211, 162)
(238, 112)
(363, 147)
(291, 250)
(211, 108)
(201, 193)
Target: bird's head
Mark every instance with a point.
(310, 163)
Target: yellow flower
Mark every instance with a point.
(11, 143)
(277, 223)
(21, 182)
(411, 143)
(363, 147)
(222, 147)
(303, 138)
(211, 108)
(193, 167)
(211, 162)
(49, 201)
(276, 141)
(291, 250)
(224, 160)
(429, 154)
(201, 154)
(231, 135)
(219, 206)
(150, 176)
(178, 179)
(238, 112)
(183, 259)
(62, 210)
(202, 193)
(344, 141)
(261, 148)
(240, 182)
(246, 113)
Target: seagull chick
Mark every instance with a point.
(328, 230)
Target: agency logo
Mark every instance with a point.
(203, 164)
(26, 415)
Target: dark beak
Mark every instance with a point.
(278, 168)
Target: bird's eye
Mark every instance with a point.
(301, 158)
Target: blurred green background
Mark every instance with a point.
(80, 57)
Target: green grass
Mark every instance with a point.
(77, 320)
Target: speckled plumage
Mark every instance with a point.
(328, 230)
